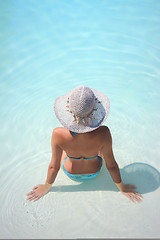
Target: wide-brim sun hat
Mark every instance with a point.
(82, 109)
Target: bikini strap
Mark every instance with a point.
(92, 157)
(83, 158)
(74, 133)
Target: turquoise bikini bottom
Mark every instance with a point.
(81, 176)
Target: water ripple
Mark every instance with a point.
(47, 49)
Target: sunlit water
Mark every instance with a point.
(46, 49)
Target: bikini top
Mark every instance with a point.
(82, 157)
(74, 133)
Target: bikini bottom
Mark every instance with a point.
(81, 176)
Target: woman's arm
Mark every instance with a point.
(112, 166)
(53, 168)
(54, 165)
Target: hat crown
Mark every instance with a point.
(82, 101)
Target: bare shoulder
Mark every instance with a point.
(104, 136)
(103, 132)
(103, 129)
(59, 130)
(59, 134)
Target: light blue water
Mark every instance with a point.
(46, 49)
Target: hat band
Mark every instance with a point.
(77, 117)
(82, 116)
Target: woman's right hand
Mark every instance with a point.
(38, 191)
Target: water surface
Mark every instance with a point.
(46, 49)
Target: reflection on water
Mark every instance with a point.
(144, 176)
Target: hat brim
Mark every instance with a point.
(87, 124)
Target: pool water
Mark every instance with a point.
(46, 49)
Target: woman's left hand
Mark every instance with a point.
(128, 191)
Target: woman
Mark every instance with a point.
(80, 144)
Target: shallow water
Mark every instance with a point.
(46, 49)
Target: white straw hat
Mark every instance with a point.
(82, 109)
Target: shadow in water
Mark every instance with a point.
(145, 177)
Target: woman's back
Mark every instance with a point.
(82, 144)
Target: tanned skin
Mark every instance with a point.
(82, 145)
